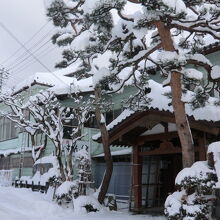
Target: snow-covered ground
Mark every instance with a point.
(23, 204)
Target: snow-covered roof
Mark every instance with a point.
(83, 85)
(161, 102)
(59, 80)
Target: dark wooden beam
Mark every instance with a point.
(204, 126)
(151, 117)
(202, 147)
(126, 127)
(165, 149)
(155, 137)
(137, 178)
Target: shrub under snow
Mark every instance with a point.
(194, 198)
(66, 192)
(84, 204)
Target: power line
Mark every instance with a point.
(30, 62)
(29, 56)
(33, 36)
(12, 35)
(32, 47)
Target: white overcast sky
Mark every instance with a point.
(24, 18)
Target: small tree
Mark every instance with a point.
(48, 116)
(17, 113)
(84, 170)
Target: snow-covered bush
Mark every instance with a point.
(85, 204)
(194, 198)
(66, 192)
(173, 205)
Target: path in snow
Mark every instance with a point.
(23, 204)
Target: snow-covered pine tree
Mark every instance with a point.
(166, 34)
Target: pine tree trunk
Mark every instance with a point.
(183, 128)
(106, 147)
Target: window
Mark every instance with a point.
(8, 129)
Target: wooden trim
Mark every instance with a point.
(141, 118)
(202, 148)
(153, 137)
(166, 148)
(137, 178)
(126, 126)
(200, 125)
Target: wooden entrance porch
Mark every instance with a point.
(153, 137)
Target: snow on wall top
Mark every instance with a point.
(8, 152)
(47, 159)
(210, 112)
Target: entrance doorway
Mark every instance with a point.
(158, 178)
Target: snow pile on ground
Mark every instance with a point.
(52, 172)
(5, 177)
(23, 204)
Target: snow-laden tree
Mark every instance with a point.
(118, 46)
(166, 33)
(17, 112)
(48, 116)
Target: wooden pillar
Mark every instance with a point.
(137, 178)
(202, 147)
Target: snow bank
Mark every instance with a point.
(23, 204)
